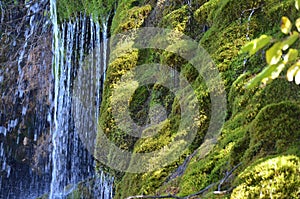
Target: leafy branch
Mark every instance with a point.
(280, 55)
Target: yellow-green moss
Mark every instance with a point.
(273, 178)
(256, 118)
(128, 17)
(177, 19)
(204, 14)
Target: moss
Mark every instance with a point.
(177, 19)
(272, 178)
(279, 121)
(135, 18)
(96, 8)
(260, 122)
(147, 183)
(204, 14)
(129, 17)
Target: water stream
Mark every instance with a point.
(47, 138)
(79, 59)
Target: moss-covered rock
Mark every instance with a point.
(280, 123)
(260, 122)
(277, 177)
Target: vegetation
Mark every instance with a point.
(257, 153)
(273, 178)
(95, 8)
(261, 121)
(280, 55)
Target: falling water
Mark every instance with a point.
(105, 45)
(79, 62)
(248, 23)
(103, 187)
(248, 29)
(2, 14)
(20, 128)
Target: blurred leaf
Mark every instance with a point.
(298, 24)
(292, 71)
(297, 77)
(286, 25)
(277, 71)
(247, 47)
(297, 3)
(255, 45)
(266, 73)
(273, 55)
(291, 56)
(290, 40)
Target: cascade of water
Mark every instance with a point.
(248, 23)
(2, 14)
(33, 23)
(18, 173)
(56, 48)
(76, 101)
(103, 187)
(105, 45)
(248, 29)
(97, 51)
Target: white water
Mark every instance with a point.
(76, 102)
(103, 187)
(33, 25)
(2, 14)
(248, 30)
(19, 178)
(248, 23)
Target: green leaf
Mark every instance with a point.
(247, 47)
(297, 3)
(290, 40)
(286, 25)
(273, 55)
(291, 72)
(292, 55)
(263, 75)
(255, 45)
(297, 23)
(277, 71)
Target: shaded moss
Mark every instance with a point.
(276, 121)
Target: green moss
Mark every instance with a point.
(260, 122)
(279, 122)
(273, 178)
(204, 14)
(177, 19)
(128, 17)
(96, 8)
(135, 18)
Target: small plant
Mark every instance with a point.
(280, 55)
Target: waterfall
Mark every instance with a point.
(248, 23)
(79, 64)
(105, 45)
(51, 99)
(24, 170)
(248, 27)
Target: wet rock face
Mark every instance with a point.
(25, 85)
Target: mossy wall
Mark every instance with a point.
(261, 128)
